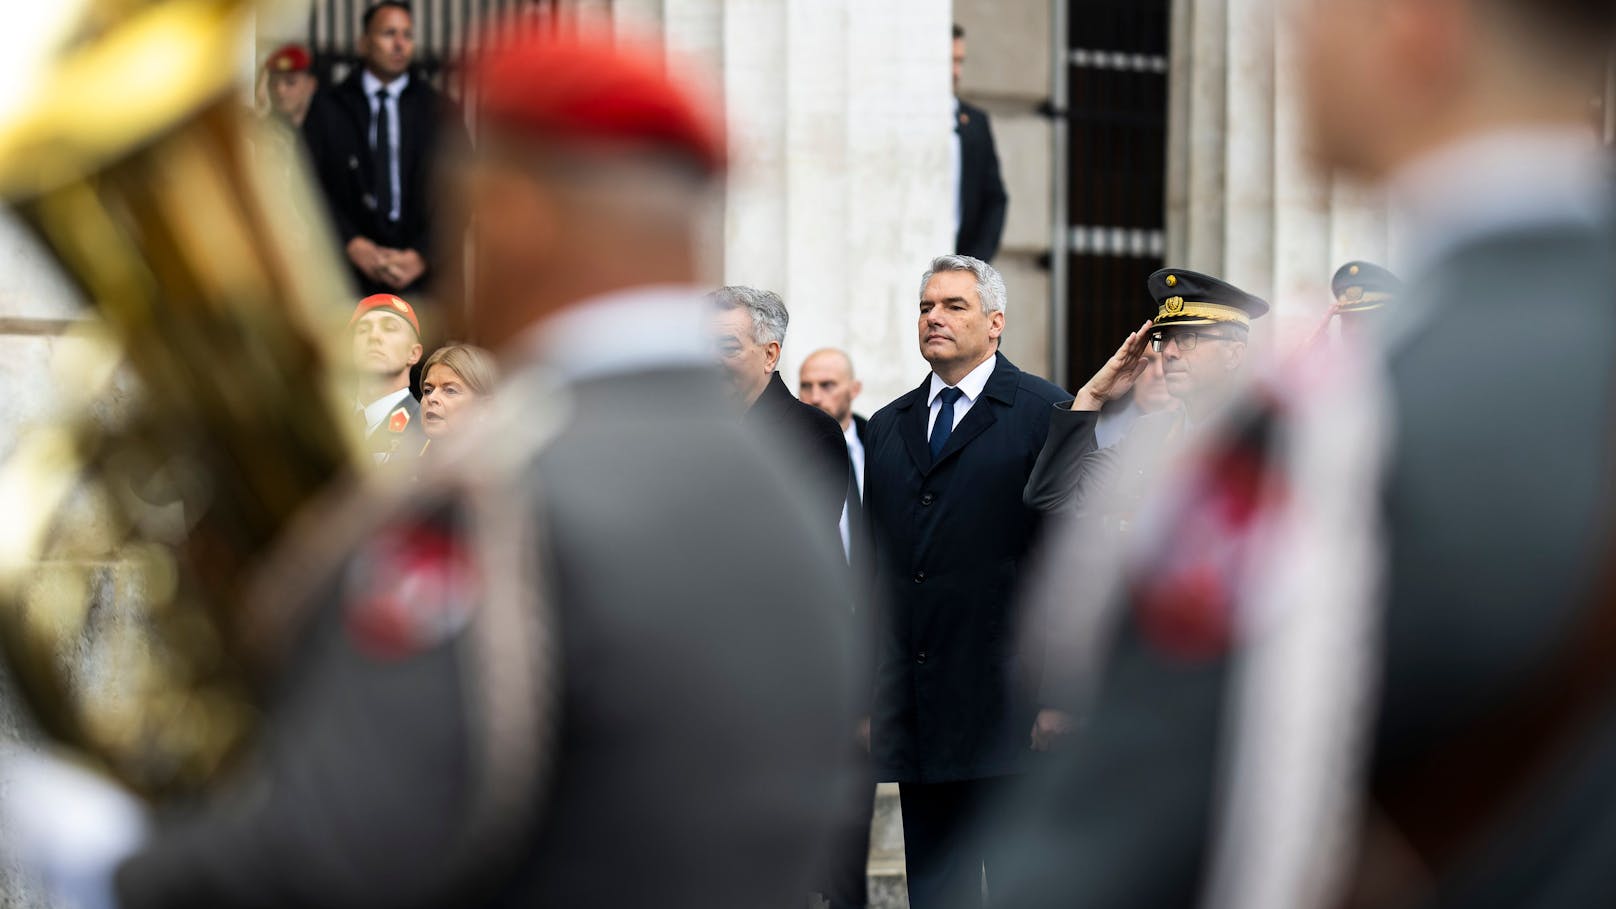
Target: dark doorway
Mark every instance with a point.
(1116, 70)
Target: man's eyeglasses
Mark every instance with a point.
(1186, 339)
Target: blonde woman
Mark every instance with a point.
(455, 384)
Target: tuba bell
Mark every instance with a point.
(199, 412)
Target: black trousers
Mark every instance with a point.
(943, 853)
(846, 881)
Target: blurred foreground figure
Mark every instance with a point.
(596, 657)
(1362, 292)
(1467, 721)
(290, 84)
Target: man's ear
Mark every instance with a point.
(1237, 355)
(997, 328)
(857, 388)
(771, 355)
(415, 353)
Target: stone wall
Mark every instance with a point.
(1007, 73)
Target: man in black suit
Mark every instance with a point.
(827, 381)
(945, 466)
(979, 197)
(1469, 720)
(386, 345)
(749, 328)
(374, 142)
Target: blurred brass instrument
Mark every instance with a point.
(198, 412)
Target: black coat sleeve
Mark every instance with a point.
(990, 229)
(1059, 471)
(326, 157)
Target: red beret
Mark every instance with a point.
(390, 303)
(288, 58)
(579, 83)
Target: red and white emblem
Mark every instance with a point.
(413, 589)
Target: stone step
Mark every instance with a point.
(888, 883)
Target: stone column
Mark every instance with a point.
(1243, 203)
(839, 123)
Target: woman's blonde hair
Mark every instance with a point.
(473, 365)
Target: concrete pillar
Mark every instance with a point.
(1243, 201)
(838, 115)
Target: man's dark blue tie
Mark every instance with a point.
(383, 151)
(945, 420)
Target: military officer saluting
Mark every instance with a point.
(386, 342)
(1200, 329)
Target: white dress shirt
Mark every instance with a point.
(971, 386)
(377, 410)
(394, 88)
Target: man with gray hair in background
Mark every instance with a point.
(945, 465)
(749, 329)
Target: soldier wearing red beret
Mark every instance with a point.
(386, 344)
(290, 83)
(599, 655)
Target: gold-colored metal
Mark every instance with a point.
(201, 412)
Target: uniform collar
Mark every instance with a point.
(635, 330)
(1498, 182)
(377, 410)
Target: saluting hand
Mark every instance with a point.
(1118, 374)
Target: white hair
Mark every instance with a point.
(768, 311)
(989, 283)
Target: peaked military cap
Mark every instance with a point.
(1362, 286)
(1185, 297)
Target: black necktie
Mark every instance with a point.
(384, 155)
(945, 420)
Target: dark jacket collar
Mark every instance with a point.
(1001, 387)
(775, 399)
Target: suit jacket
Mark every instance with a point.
(953, 698)
(1496, 542)
(689, 702)
(337, 131)
(815, 439)
(982, 199)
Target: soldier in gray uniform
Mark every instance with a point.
(596, 658)
(1488, 754)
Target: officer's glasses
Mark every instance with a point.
(1186, 339)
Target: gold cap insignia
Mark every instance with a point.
(400, 305)
(283, 64)
(1173, 305)
(1352, 294)
(1353, 271)
(1172, 281)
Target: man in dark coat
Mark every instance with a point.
(374, 141)
(945, 466)
(749, 328)
(1476, 709)
(597, 656)
(980, 200)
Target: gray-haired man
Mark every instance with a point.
(943, 473)
(749, 328)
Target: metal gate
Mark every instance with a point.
(1116, 72)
